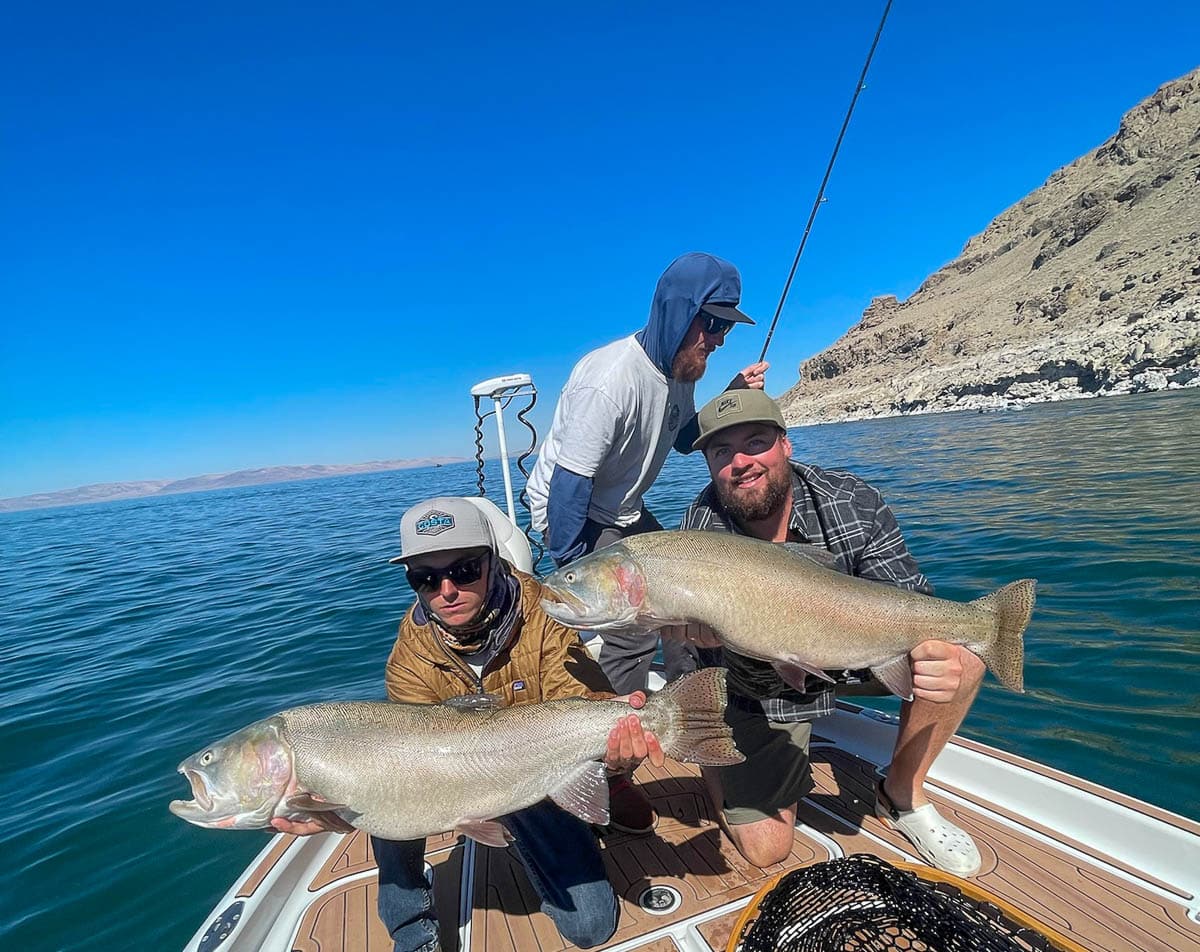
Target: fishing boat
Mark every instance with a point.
(1085, 865)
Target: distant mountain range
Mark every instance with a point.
(106, 492)
(1088, 286)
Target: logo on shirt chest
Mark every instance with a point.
(518, 686)
(673, 417)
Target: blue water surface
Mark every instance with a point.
(134, 632)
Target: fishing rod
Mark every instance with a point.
(861, 85)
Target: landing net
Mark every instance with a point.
(863, 904)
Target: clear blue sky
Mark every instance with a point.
(242, 235)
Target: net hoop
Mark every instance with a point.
(970, 890)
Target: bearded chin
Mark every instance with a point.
(756, 508)
(688, 367)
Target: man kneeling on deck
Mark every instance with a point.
(758, 491)
(478, 628)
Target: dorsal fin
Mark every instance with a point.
(475, 702)
(814, 553)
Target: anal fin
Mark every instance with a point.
(896, 676)
(585, 793)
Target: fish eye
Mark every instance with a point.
(206, 759)
(570, 576)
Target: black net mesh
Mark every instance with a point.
(863, 904)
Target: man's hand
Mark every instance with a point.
(694, 633)
(937, 670)
(321, 823)
(628, 743)
(753, 377)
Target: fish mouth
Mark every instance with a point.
(572, 611)
(203, 801)
(564, 601)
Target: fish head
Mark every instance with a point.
(600, 592)
(239, 781)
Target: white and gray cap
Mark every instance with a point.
(443, 523)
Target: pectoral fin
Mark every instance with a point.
(487, 832)
(896, 676)
(795, 673)
(585, 793)
(309, 803)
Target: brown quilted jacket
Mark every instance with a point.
(543, 661)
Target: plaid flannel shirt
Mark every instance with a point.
(847, 516)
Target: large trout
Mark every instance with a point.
(405, 771)
(793, 610)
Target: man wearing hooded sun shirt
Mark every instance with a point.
(622, 409)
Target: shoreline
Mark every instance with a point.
(1149, 382)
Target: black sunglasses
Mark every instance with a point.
(716, 325)
(463, 572)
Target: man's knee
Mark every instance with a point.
(764, 854)
(765, 842)
(590, 924)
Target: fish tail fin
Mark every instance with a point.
(1012, 605)
(692, 712)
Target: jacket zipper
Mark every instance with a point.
(464, 669)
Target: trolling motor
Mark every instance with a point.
(502, 391)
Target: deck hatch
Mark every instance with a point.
(221, 927)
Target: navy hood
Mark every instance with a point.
(691, 280)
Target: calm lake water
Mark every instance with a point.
(135, 632)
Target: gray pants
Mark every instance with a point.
(626, 656)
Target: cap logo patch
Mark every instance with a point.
(434, 523)
(731, 403)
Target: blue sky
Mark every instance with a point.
(293, 234)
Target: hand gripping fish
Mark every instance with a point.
(792, 610)
(405, 771)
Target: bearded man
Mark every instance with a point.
(758, 490)
(622, 409)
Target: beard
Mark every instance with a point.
(689, 365)
(763, 500)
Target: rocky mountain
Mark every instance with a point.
(1088, 286)
(105, 492)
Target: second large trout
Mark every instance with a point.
(404, 771)
(792, 610)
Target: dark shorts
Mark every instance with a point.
(776, 772)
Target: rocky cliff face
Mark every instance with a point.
(1090, 285)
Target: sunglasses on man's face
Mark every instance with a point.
(463, 572)
(716, 325)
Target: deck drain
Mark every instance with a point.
(660, 900)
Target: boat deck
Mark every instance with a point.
(1097, 901)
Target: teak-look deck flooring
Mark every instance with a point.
(1081, 899)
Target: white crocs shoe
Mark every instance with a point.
(940, 842)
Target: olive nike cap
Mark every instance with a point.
(734, 407)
